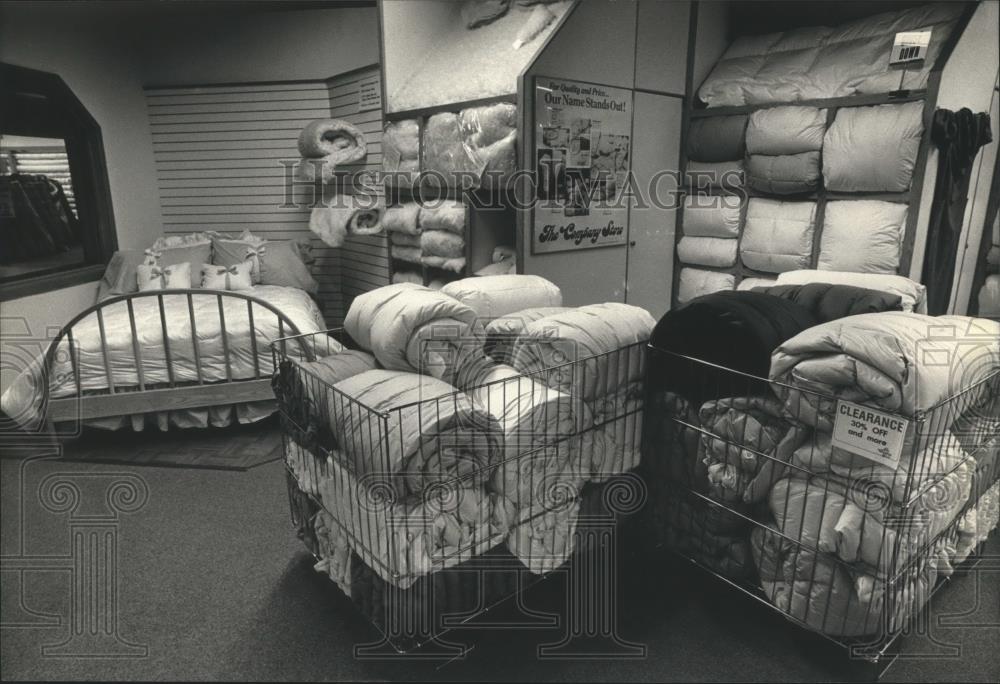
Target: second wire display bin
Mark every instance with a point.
(745, 483)
(440, 478)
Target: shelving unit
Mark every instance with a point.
(917, 198)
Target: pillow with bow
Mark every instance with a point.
(194, 254)
(229, 252)
(159, 277)
(235, 277)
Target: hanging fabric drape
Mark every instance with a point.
(958, 137)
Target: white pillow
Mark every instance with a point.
(236, 277)
(912, 294)
(154, 277)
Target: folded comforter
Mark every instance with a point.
(745, 446)
(705, 328)
(894, 361)
(591, 336)
(494, 296)
(839, 560)
(785, 174)
(414, 328)
(413, 431)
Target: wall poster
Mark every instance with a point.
(582, 156)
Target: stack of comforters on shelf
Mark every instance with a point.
(428, 453)
(848, 545)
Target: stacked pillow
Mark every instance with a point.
(209, 260)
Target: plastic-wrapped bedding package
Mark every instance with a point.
(778, 236)
(491, 133)
(821, 62)
(863, 236)
(712, 216)
(707, 251)
(401, 146)
(402, 219)
(475, 141)
(492, 297)
(913, 295)
(873, 149)
(786, 130)
(711, 175)
(784, 174)
(694, 282)
(717, 138)
(447, 215)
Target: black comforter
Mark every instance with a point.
(734, 330)
(828, 302)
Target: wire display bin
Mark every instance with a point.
(439, 501)
(749, 480)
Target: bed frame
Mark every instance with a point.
(171, 395)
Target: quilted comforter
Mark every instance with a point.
(412, 431)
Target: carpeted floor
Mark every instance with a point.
(214, 585)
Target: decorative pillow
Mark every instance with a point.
(281, 263)
(120, 276)
(194, 254)
(227, 252)
(159, 277)
(235, 277)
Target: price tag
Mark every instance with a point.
(871, 434)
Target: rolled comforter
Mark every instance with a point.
(502, 332)
(413, 431)
(414, 328)
(335, 140)
(334, 224)
(705, 329)
(893, 361)
(541, 429)
(546, 540)
(403, 538)
(614, 445)
(590, 335)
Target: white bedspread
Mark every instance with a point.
(23, 398)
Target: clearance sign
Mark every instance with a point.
(871, 434)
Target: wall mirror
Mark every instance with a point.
(56, 219)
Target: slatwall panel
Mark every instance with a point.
(364, 260)
(218, 152)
